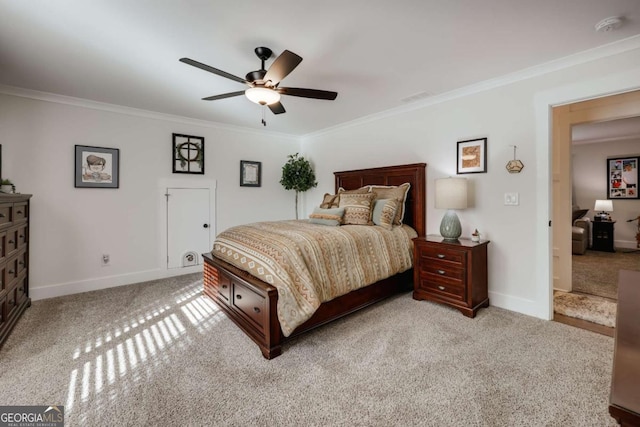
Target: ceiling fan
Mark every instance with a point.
(264, 84)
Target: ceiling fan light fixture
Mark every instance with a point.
(262, 95)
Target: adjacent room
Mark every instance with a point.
(338, 213)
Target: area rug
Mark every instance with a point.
(586, 307)
(596, 273)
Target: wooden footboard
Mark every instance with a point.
(252, 304)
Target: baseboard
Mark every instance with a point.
(61, 289)
(520, 305)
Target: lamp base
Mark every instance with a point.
(450, 227)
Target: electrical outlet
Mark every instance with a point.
(511, 199)
(106, 260)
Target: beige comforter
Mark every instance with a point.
(310, 264)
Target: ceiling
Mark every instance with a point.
(609, 131)
(374, 53)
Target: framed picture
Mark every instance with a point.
(188, 154)
(97, 167)
(250, 173)
(472, 156)
(622, 178)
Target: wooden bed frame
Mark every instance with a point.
(252, 303)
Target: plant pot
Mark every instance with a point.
(6, 188)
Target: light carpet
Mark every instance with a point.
(159, 353)
(596, 272)
(586, 307)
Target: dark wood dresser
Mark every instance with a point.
(14, 260)
(452, 273)
(624, 402)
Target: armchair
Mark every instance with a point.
(580, 233)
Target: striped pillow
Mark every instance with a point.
(396, 192)
(327, 216)
(357, 208)
(384, 211)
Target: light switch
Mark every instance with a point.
(511, 199)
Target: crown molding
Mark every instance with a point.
(130, 111)
(610, 49)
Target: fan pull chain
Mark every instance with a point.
(264, 122)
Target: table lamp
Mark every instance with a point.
(604, 206)
(451, 193)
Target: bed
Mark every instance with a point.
(251, 303)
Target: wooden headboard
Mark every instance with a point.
(415, 174)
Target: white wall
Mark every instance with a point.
(507, 115)
(590, 183)
(72, 227)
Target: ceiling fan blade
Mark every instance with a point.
(223, 96)
(277, 108)
(210, 69)
(308, 93)
(282, 66)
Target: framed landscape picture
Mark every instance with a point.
(622, 178)
(472, 156)
(97, 167)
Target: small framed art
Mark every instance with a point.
(472, 156)
(622, 178)
(188, 154)
(250, 173)
(97, 167)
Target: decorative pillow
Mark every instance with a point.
(361, 190)
(327, 216)
(395, 192)
(578, 213)
(357, 208)
(384, 211)
(330, 201)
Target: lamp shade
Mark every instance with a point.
(262, 95)
(604, 206)
(451, 193)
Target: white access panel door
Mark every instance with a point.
(188, 222)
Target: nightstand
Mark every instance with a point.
(452, 273)
(603, 236)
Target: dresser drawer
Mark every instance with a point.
(22, 237)
(3, 245)
(15, 297)
(20, 212)
(448, 272)
(442, 254)
(11, 241)
(3, 276)
(14, 266)
(5, 213)
(224, 287)
(251, 304)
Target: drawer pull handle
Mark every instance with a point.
(21, 262)
(11, 271)
(256, 309)
(441, 256)
(19, 212)
(21, 289)
(441, 272)
(224, 286)
(22, 236)
(2, 215)
(11, 241)
(11, 302)
(442, 288)
(238, 296)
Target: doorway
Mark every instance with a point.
(602, 109)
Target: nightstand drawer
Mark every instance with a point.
(441, 254)
(447, 290)
(444, 271)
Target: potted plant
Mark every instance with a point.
(6, 186)
(298, 175)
